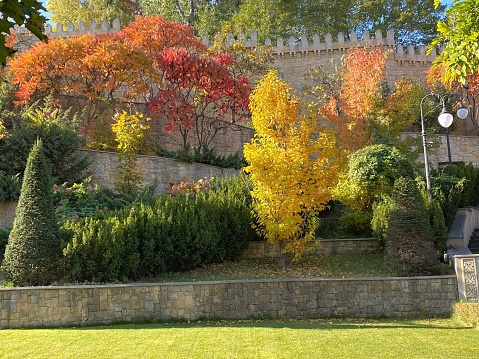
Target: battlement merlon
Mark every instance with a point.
(70, 31)
(294, 46)
(303, 46)
(104, 28)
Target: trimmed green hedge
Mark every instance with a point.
(454, 187)
(170, 233)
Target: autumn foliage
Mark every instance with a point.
(151, 59)
(292, 165)
(360, 92)
(129, 130)
(199, 92)
(96, 66)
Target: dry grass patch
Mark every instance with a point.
(330, 266)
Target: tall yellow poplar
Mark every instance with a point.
(293, 166)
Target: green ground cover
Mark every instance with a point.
(436, 338)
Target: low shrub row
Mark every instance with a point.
(169, 233)
(467, 312)
(204, 155)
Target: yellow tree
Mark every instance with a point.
(129, 131)
(292, 162)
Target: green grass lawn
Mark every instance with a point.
(437, 338)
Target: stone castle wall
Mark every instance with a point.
(463, 149)
(293, 57)
(300, 55)
(280, 298)
(229, 139)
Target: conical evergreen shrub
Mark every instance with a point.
(33, 249)
(410, 247)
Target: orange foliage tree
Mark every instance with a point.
(364, 70)
(359, 104)
(103, 69)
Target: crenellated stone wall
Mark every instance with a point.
(234, 299)
(293, 57)
(299, 55)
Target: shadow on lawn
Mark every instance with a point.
(312, 324)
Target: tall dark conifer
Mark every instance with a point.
(410, 247)
(33, 249)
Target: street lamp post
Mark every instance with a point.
(445, 119)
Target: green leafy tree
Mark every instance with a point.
(207, 17)
(64, 11)
(22, 13)
(410, 246)
(272, 19)
(414, 21)
(57, 130)
(33, 250)
(459, 37)
(371, 174)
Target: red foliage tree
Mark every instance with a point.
(200, 93)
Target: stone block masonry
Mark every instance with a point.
(280, 298)
(104, 169)
(7, 213)
(263, 249)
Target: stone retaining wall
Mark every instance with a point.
(104, 169)
(7, 213)
(281, 298)
(325, 246)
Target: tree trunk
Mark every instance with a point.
(282, 257)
